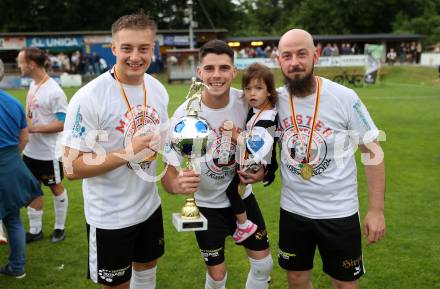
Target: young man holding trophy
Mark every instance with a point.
(109, 139)
(216, 169)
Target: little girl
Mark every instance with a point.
(256, 143)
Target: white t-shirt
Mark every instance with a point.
(42, 108)
(121, 197)
(342, 123)
(216, 175)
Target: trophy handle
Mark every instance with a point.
(193, 165)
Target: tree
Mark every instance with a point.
(239, 17)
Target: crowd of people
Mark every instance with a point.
(93, 64)
(77, 63)
(407, 52)
(328, 49)
(115, 126)
(258, 52)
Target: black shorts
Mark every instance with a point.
(111, 252)
(222, 223)
(47, 172)
(338, 241)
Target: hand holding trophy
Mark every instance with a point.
(189, 138)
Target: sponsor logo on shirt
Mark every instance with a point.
(220, 157)
(294, 152)
(78, 130)
(145, 122)
(358, 108)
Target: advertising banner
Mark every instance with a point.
(12, 43)
(54, 42)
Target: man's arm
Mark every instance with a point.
(23, 139)
(374, 222)
(79, 165)
(180, 182)
(55, 126)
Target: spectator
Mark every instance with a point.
(103, 65)
(268, 51)
(327, 51)
(76, 60)
(391, 56)
(335, 50)
(64, 62)
(319, 48)
(402, 52)
(274, 53)
(413, 50)
(259, 52)
(95, 63)
(355, 49)
(408, 53)
(242, 53)
(345, 49)
(418, 52)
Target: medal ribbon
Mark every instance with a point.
(31, 98)
(128, 102)
(315, 114)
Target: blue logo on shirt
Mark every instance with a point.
(78, 129)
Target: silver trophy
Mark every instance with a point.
(189, 138)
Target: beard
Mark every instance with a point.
(300, 86)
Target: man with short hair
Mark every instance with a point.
(109, 129)
(46, 105)
(320, 122)
(221, 103)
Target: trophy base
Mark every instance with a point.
(183, 225)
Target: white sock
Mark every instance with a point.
(2, 233)
(259, 274)
(60, 204)
(35, 220)
(244, 225)
(143, 279)
(212, 284)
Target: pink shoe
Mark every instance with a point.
(242, 234)
(3, 240)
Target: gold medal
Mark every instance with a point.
(306, 171)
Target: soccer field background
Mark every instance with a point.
(404, 104)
